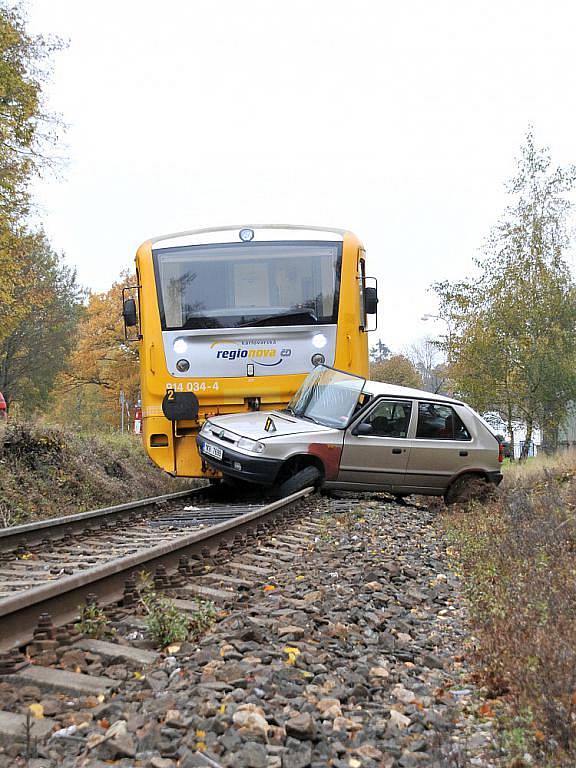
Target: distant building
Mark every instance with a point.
(501, 427)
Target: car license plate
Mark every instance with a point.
(212, 450)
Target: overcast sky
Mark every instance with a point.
(397, 120)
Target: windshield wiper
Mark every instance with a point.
(272, 319)
(309, 418)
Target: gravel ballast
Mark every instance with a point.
(349, 652)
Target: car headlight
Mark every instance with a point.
(205, 427)
(250, 445)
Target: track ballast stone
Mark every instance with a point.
(348, 655)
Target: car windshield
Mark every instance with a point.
(327, 397)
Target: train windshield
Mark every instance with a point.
(327, 397)
(237, 285)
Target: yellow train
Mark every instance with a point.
(233, 318)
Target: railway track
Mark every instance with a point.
(51, 567)
(40, 553)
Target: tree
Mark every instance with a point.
(27, 134)
(102, 364)
(513, 346)
(396, 370)
(27, 131)
(379, 352)
(47, 305)
(428, 360)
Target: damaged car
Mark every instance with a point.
(344, 432)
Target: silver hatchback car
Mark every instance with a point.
(343, 432)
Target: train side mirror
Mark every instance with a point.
(371, 300)
(129, 313)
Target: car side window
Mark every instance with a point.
(440, 422)
(390, 418)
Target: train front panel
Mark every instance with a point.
(233, 319)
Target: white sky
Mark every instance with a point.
(397, 120)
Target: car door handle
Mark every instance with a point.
(463, 453)
(396, 450)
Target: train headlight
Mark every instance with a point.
(182, 365)
(317, 359)
(319, 340)
(246, 235)
(250, 445)
(180, 346)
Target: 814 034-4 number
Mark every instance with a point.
(193, 386)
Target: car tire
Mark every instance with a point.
(304, 478)
(468, 488)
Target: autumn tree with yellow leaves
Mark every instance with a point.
(396, 369)
(101, 366)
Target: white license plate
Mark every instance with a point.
(212, 450)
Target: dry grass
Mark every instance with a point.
(515, 472)
(48, 471)
(517, 556)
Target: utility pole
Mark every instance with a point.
(122, 404)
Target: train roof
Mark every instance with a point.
(231, 234)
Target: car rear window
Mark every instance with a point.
(440, 422)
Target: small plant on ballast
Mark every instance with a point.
(165, 622)
(92, 621)
(202, 618)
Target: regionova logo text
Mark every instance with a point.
(259, 351)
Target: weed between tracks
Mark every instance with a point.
(166, 624)
(516, 554)
(93, 621)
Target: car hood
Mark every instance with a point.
(253, 425)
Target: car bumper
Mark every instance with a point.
(254, 469)
(495, 477)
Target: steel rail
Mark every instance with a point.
(61, 599)
(54, 527)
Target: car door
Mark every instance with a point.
(376, 448)
(442, 447)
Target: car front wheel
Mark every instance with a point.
(304, 478)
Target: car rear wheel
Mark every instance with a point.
(468, 488)
(304, 478)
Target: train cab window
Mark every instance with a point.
(390, 418)
(440, 422)
(238, 285)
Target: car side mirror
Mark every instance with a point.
(371, 300)
(363, 429)
(129, 313)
